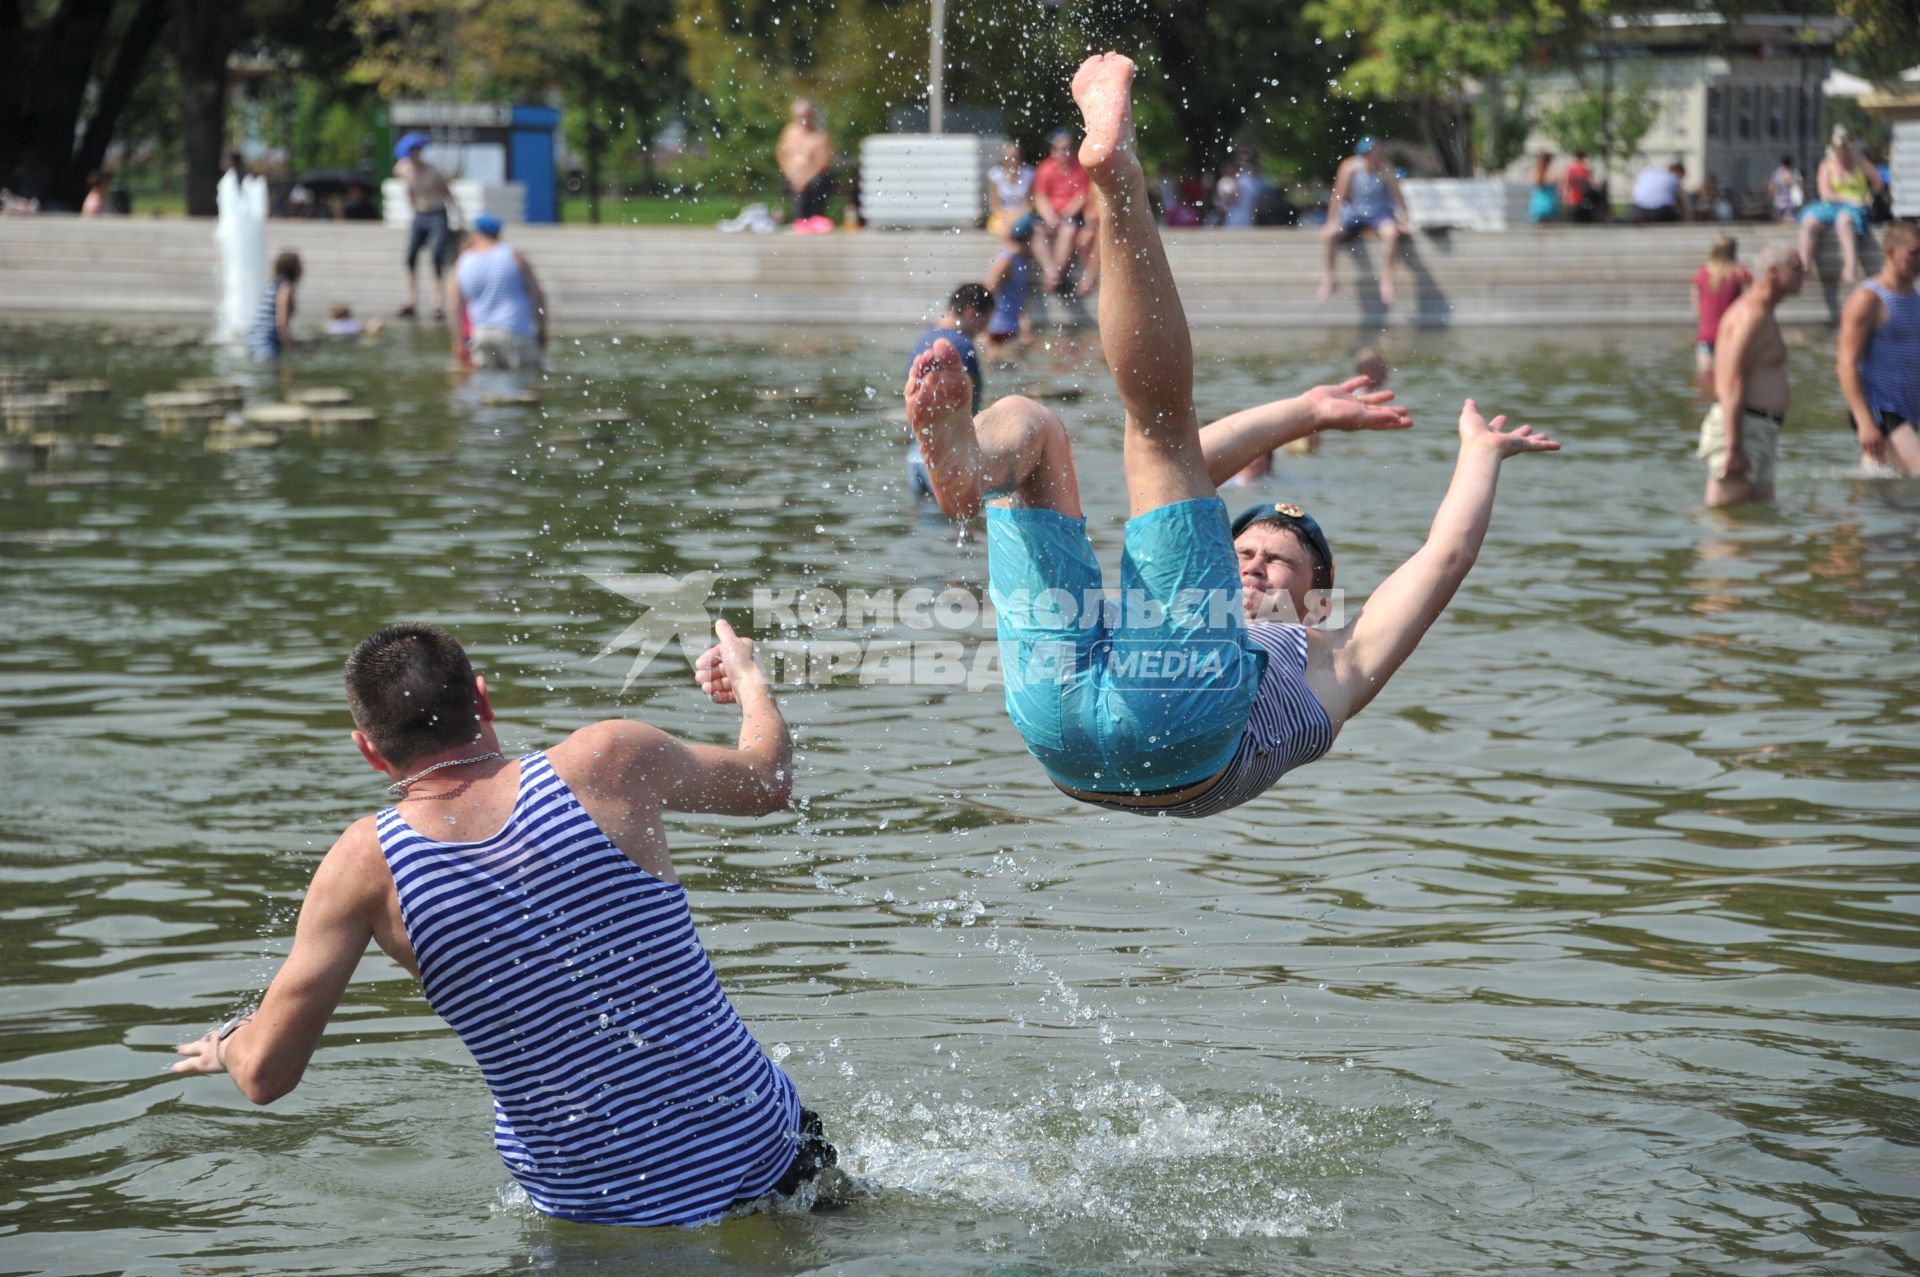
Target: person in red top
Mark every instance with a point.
(1576, 189)
(1060, 190)
(1715, 286)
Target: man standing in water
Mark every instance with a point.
(503, 300)
(805, 155)
(1878, 361)
(550, 931)
(1741, 432)
(1170, 702)
(429, 194)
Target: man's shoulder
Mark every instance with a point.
(609, 743)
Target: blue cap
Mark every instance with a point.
(487, 224)
(408, 144)
(1285, 514)
(1364, 145)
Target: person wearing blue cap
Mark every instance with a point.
(504, 304)
(429, 194)
(1201, 684)
(1366, 196)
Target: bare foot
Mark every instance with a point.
(1325, 290)
(1102, 87)
(1386, 289)
(940, 410)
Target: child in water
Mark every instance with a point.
(272, 333)
(1010, 327)
(1715, 286)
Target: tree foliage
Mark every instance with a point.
(1885, 39)
(467, 49)
(1429, 53)
(1607, 120)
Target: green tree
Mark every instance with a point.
(1885, 39)
(1428, 53)
(67, 73)
(624, 86)
(1608, 120)
(467, 49)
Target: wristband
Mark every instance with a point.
(226, 1031)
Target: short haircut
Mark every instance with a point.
(1777, 254)
(410, 689)
(970, 297)
(1897, 234)
(287, 267)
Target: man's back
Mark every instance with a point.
(626, 1089)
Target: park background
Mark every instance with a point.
(670, 107)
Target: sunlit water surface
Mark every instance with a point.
(1591, 947)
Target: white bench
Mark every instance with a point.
(1465, 203)
(925, 180)
(1903, 157)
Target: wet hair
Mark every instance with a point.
(1366, 360)
(970, 297)
(287, 267)
(1898, 234)
(340, 310)
(410, 689)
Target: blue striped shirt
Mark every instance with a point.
(1286, 728)
(626, 1089)
(263, 340)
(1890, 368)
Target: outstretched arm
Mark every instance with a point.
(1231, 442)
(269, 1052)
(1365, 654)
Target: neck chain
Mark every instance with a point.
(399, 787)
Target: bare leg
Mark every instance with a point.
(1726, 492)
(1849, 249)
(1143, 328)
(1809, 244)
(1088, 246)
(1016, 451)
(1904, 445)
(1329, 245)
(1389, 251)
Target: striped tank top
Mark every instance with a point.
(626, 1090)
(263, 339)
(1286, 728)
(1890, 372)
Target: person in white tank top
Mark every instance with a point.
(494, 291)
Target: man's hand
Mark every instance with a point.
(1351, 406)
(728, 665)
(1736, 466)
(1873, 444)
(202, 1055)
(1476, 432)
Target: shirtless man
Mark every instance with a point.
(1170, 702)
(1741, 432)
(552, 934)
(1878, 361)
(805, 156)
(429, 194)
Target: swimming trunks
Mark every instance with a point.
(1287, 728)
(1759, 440)
(1147, 693)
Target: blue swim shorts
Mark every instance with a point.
(1830, 212)
(1146, 692)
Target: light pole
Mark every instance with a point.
(937, 70)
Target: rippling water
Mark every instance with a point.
(1591, 947)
